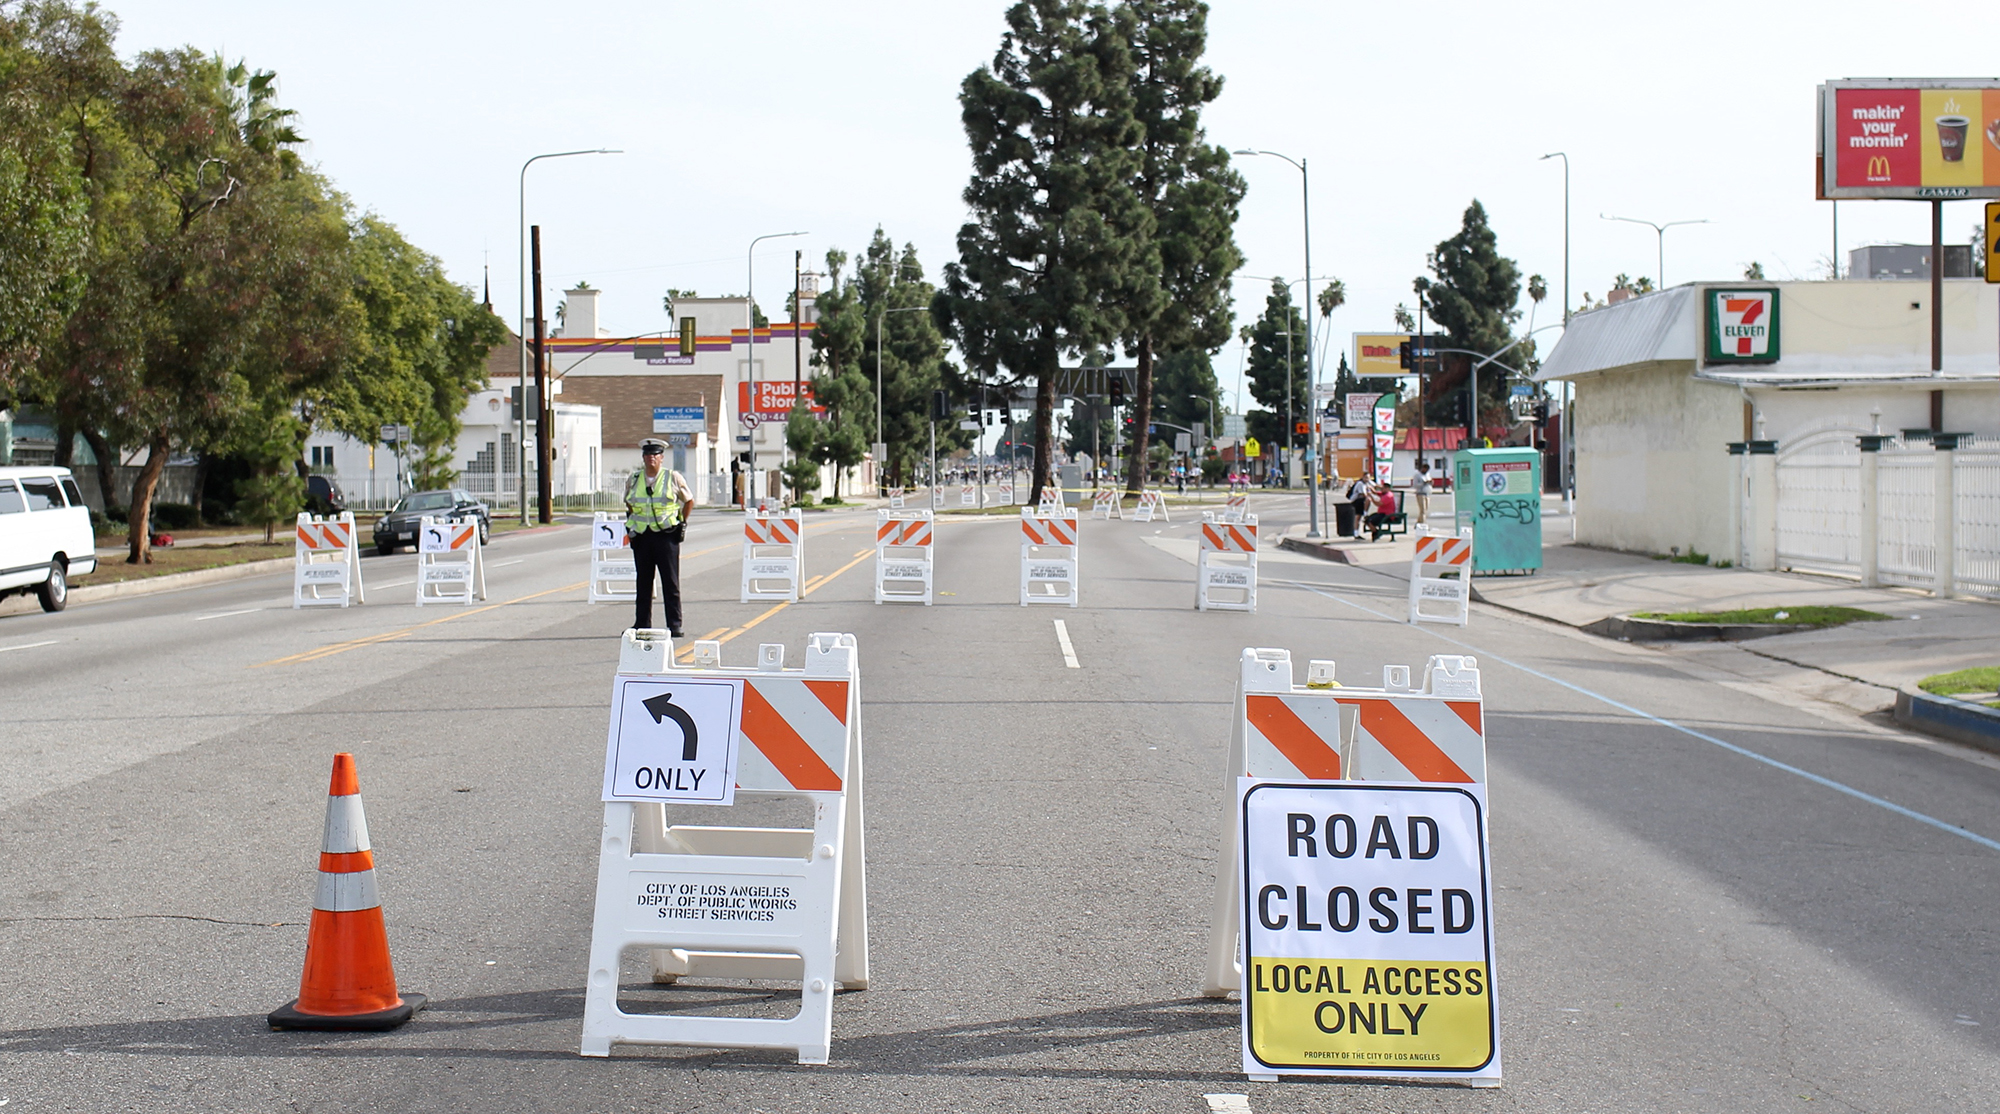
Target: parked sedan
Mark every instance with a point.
(398, 528)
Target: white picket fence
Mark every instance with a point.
(1818, 516)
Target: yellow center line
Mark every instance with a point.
(687, 652)
(369, 640)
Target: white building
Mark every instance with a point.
(1793, 425)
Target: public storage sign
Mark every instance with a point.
(1368, 945)
(673, 739)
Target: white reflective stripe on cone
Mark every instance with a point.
(346, 893)
(346, 828)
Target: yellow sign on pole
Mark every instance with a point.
(1992, 239)
(1252, 449)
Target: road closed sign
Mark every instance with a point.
(673, 739)
(1368, 949)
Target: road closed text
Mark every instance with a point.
(1365, 928)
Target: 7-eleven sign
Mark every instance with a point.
(1742, 324)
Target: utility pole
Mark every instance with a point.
(542, 432)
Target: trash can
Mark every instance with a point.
(1498, 492)
(1343, 519)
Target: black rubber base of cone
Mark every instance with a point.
(287, 1016)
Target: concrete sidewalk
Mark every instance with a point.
(1579, 585)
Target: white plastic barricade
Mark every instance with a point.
(1441, 576)
(450, 564)
(968, 495)
(1107, 503)
(1052, 495)
(614, 575)
(1151, 504)
(895, 498)
(1049, 556)
(1225, 573)
(774, 555)
(1003, 492)
(326, 568)
(903, 565)
(937, 496)
(1236, 506)
(736, 903)
(1404, 739)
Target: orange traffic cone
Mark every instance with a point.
(348, 982)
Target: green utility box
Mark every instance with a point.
(1498, 492)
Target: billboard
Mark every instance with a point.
(1379, 354)
(1910, 139)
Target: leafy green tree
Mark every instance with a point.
(1277, 369)
(839, 384)
(1060, 241)
(802, 435)
(1191, 193)
(1188, 390)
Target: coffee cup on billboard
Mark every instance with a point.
(1951, 137)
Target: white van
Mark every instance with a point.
(45, 535)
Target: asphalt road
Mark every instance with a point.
(1710, 897)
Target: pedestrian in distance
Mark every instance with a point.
(1422, 488)
(657, 504)
(1384, 511)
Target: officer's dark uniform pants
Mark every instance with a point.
(651, 550)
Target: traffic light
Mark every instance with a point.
(1541, 411)
(940, 407)
(1117, 390)
(1403, 355)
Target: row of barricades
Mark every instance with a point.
(326, 562)
(1351, 910)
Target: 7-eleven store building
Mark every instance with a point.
(721, 408)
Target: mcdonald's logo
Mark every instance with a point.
(1878, 168)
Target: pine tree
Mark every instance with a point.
(1192, 193)
(1277, 382)
(1472, 299)
(1058, 238)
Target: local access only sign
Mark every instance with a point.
(1367, 939)
(673, 739)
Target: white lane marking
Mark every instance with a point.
(1069, 651)
(29, 645)
(504, 564)
(1816, 779)
(225, 614)
(1228, 1104)
(395, 584)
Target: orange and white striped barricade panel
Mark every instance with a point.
(937, 497)
(1003, 491)
(1107, 503)
(1441, 578)
(1235, 507)
(1049, 556)
(326, 566)
(1151, 505)
(903, 565)
(968, 495)
(1052, 496)
(450, 568)
(614, 575)
(735, 903)
(1321, 731)
(1225, 572)
(895, 498)
(773, 555)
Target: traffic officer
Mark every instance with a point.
(657, 505)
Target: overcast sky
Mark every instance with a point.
(745, 118)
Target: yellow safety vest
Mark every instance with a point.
(651, 506)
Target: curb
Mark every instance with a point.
(1957, 720)
(1661, 630)
(1317, 549)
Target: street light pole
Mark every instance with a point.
(879, 481)
(1562, 465)
(1312, 470)
(521, 273)
(750, 339)
(1661, 231)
